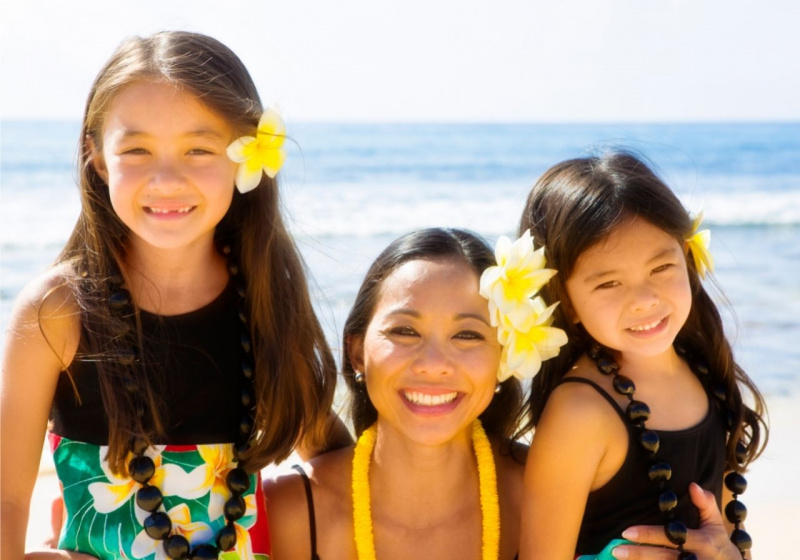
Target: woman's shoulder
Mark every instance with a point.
(288, 501)
(328, 473)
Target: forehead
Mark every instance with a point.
(447, 280)
(155, 106)
(631, 241)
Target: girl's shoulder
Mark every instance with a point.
(584, 405)
(47, 311)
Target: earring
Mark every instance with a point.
(359, 377)
(498, 389)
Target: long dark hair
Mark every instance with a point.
(295, 370)
(501, 416)
(575, 205)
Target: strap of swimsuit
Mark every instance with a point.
(600, 390)
(311, 515)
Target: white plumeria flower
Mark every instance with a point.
(698, 242)
(523, 321)
(519, 275)
(262, 153)
(195, 532)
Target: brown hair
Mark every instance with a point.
(295, 371)
(502, 414)
(577, 204)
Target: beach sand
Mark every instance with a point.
(772, 497)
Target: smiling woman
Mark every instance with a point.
(421, 361)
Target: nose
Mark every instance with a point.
(644, 298)
(167, 177)
(433, 359)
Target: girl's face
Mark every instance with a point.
(163, 158)
(631, 292)
(429, 353)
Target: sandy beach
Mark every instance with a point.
(770, 497)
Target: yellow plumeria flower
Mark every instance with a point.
(525, 349)
(519, 274)
(263, 153)
(523, 321)
(698, 242)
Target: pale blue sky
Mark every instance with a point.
(437, 60)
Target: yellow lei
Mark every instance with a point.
(490, 510)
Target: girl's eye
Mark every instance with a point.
(470, 335)
(135, 152)
(663, 267)
(200, 152)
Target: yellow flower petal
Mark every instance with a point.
(109, 497)
(262, 153)
(239, 148)
(244, 546)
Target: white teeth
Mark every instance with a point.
(183, 210)
(425, 399)
(641, 328)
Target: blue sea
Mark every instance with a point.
(349, 189)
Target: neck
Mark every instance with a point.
(637, 366)
(174, 281)
(427, 482)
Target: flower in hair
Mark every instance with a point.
(262, 152)
(523, 321)
(697, 242)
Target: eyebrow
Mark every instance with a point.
(199, 133)
(658, 256)
(458, 316)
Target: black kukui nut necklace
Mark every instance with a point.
(659, 472)
(141, 468)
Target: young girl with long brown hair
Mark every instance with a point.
(646, 397)
(173, 347)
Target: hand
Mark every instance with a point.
(709, 542)
(56, 521)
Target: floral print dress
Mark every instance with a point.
(103, 519)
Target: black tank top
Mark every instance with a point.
(192, 360)
(696, 454)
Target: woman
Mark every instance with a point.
(421, 361)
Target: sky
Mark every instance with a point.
(437, 60)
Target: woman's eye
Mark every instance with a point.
(403, 331)
(607, 285)
(470, 335)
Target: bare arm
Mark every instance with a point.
(567, 449)
(42, 336)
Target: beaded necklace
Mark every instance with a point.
(487, 476)
(141, 468)
(659, 472)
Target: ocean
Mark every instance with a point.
(349, 189)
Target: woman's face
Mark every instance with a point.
(429, 354)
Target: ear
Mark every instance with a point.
(355, 351)
(96, 160)
(570, 312)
